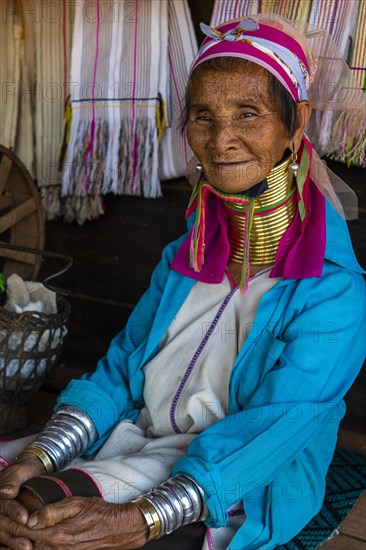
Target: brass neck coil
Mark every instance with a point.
(272, 214)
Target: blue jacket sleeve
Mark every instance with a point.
(106, 393)
(287, 431)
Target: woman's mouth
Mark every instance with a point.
(230, 164)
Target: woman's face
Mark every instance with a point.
(234, 129)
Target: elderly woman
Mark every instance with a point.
(217, 407)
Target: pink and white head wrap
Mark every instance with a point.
(263, 44)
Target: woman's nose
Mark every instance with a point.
(224, 136)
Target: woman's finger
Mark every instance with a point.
(15, 543)
(9, 486)
(14, 510)
(88, 524)
(11, 480)
(51, 514)
(12, 477)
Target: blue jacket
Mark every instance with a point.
(286, 391)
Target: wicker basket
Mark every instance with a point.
(30, 343)
(30, 346)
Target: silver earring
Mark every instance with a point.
(199, 168)
(294, 166)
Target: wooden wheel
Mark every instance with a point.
(21, 217)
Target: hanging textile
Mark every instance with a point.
(338, 18)
(182, 48)
(343, 135)
(357, 58)
(337, 131)
(124, 100)
(23, 144)
(35, 44)
(352, 149)
(49, 26)
(10, 72)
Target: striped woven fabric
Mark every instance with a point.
(48, 31)
(353, 147)
(182, 47)
(338, 18)
(24, 147)
(124, 91)
(228, 9)
(340, 134)
(35, 42)
(224, 10)
(357, 59)
(10, 47)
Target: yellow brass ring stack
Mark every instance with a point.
(151, 517)
(42, 455)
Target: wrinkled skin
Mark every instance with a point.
(235, 130)
(13, 517)
(78, 522)
(11, 479)
(83, 523)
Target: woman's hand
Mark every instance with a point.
(13, 516)
(86, 524)
(12, 477)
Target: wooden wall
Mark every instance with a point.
(113, 261)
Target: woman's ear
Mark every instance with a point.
(303, 113)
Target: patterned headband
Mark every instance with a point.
(266, 46)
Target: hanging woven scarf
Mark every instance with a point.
(10, 75)
(121, 99)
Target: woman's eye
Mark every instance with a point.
(247, 115)
(204, 118)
